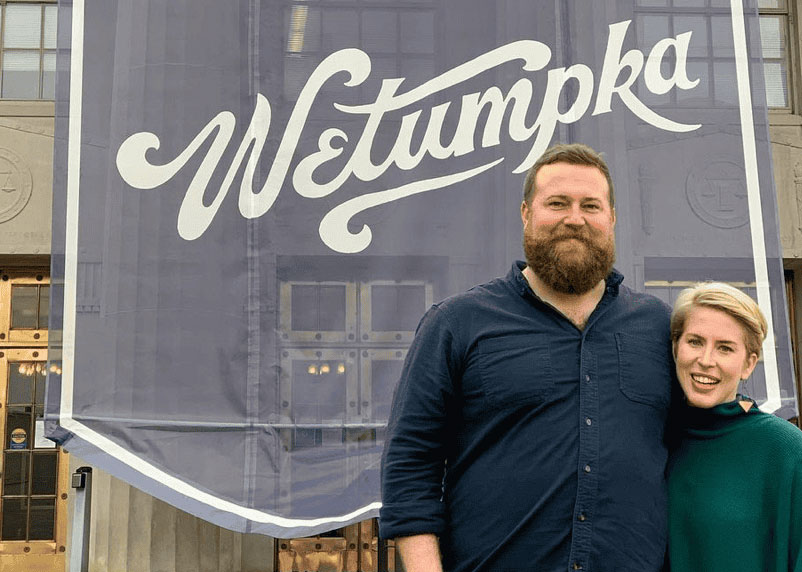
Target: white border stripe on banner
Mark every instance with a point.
(73, 188)
(773, 400)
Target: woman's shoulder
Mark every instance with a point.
(778, 434)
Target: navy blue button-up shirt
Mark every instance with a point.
(525, 443)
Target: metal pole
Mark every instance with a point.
(383, 561)
(399, 565)
(82, 508)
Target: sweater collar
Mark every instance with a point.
(718, 420)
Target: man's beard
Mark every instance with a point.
(564, 265)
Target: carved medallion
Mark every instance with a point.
(717, 194)
(15, 185)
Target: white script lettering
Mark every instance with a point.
(194, 217)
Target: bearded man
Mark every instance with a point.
(527, 431)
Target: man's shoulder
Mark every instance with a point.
(489, 293)
(644, 302)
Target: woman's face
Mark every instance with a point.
(711, 357)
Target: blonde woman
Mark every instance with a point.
(735, 480)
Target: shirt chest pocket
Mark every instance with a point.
(515, 370)
(644, 368)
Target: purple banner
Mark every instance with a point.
(255, 201)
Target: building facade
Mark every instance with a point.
(134, 532)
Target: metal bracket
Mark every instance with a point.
(82, 508)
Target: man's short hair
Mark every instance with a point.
(573, 154)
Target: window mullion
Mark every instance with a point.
(41, 68)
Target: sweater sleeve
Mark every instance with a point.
(795, 517)
(413, 463)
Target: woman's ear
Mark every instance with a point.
(749, 365)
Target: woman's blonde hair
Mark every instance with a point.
(727, 299)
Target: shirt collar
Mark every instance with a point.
(519, 282)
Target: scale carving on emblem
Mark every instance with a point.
(16, 184)
(717, 194)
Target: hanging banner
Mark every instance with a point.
(256, 201)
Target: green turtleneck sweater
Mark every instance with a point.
(735, 492)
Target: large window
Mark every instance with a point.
(33, 471)
(710, 56)
(774, 34)
(28, 54)
(398, 36)
(342, 344)
(342, 347)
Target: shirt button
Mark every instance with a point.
(582, 517)
(588, 422)
(587, 377)
(587, 468)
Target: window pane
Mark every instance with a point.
(776, 87)
(318, 391)
(379, 31)
(396, 308)
(43, 518)
(698, 26)
(417, 32)
(723, 45)
(340, 30)
(384, 376)
(771, 4)
(20, 385)
(48, 82)
(21, 75)
(39, 382)
(689, 3)
(380, 69)
(297, 70)
(50, 27)
(15, 515)
(332, 308)
(318, 308)
(772, 38)
(304, 308)
(15, 473)
(44, 304)
(18, 428)
(43, 481)
(306, 438)
(23, 306)
(696, 70)
(725, 83)
(23, 26)
(302, 25)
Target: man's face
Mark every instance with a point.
(568, 227)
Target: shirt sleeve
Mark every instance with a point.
(415, 448)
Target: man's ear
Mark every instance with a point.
(613, 215)
(524, 212)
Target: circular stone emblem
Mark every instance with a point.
(15, 185)
(717, 194)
